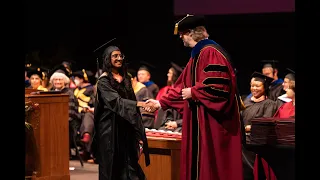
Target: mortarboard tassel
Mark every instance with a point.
(98, 67)
(85, 75)
(176, 27)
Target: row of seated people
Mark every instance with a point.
(81, 99)
(270, 97)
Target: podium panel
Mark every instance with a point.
(51, 134)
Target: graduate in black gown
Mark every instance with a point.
(258, 106)
(120, 135)
(270, 68)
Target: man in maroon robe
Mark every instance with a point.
(206, 94)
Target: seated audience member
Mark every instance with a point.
(66, 66)
(270, 69)
(287, 110)
(84, 92)
(142, 94)
(26, 78)
(287, 79)
(60, 82)
(258, 106)
(91, 150)
(144, 76)
(170, 119)
(36, 76)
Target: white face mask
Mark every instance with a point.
(77, 82)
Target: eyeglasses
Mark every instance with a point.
(118, 55)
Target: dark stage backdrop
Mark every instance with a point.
(214, 7)
(146, 33)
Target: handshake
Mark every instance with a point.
(151, 105)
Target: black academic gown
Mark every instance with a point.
(264, 109)
(275, 91)
(169, 115)
(147, 117)
(118, 128)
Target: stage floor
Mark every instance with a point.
(88, 171)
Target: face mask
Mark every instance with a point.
(77, 82)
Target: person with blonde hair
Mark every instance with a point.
(288, 110)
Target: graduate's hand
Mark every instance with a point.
(171, 125)
(141, 104)
(152, 105)
(186, 93)
(146, 106)
(140, 148)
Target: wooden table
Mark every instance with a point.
(164, 159)
(51, 132)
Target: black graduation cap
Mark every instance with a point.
(132, 72)
(68, 66)
(28, 65)
(146, 66)
(176, 67)
(85, 74)
(291, 74)
(98, 53)
(98, 73)
(26, 68)
(61, 69)
(189, 22)
(41, 72)
(263, 78)
(270, 63)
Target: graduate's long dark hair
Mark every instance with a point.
(107, 67)
(175, 76)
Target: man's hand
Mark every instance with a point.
(186, 93)
(152, 105)
(171, 125)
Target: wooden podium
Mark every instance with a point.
(29, 90)
(273, 139)
(164, 159)
(51, 132)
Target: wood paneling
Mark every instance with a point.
(164, 159)
(29, 90)
(51, 131)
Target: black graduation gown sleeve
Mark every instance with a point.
(113, 103)
(125, 108)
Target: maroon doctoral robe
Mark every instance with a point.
(211, 138)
